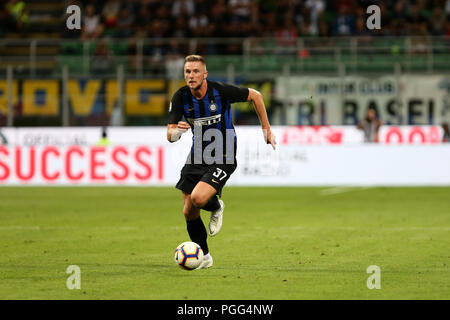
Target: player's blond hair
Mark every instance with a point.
(195, 58)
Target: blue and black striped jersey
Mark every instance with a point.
(211, 112)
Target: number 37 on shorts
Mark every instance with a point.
(220, 174)
(217, 176)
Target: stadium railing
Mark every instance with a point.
(247, 56)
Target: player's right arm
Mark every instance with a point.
(174, 131)
(176, 127)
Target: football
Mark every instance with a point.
(189, 255)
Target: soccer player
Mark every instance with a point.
(206, 106)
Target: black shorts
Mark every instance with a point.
(216, 175)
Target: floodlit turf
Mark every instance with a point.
(276, 243)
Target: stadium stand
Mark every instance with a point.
(251, 39)
(310, 36)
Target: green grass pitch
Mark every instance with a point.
(276, 243)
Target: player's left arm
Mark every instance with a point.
(258, 102)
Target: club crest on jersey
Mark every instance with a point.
(213, 107)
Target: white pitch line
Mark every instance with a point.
(338, 190)
(39, 228)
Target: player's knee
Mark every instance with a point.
(198, 200)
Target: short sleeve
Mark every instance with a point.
(175, 108)
(234, 93)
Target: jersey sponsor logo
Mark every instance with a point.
(205, 121)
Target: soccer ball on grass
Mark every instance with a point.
(189, 255)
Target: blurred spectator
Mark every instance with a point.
(301, 18)
(316, 8)
(102, 60)
(141, 21)
(125, 23)
(270, 25)
(240, 10)
(174, 51)
(267, 6)
(92, 24)
(341, 5)
(399, 24)
(323, 28)
(183, 8)
(446, 135)
(17, 13)
(416, 21)
(98, 5)
(110, 12)
(6, 21)
(361, 29)
(370, 126)
(447, 28)
(401, 9)
(238, 21)
(104, 141)
(219, 11)
(437, 22)
(155, 58)
(157, 29)
(3, 140)
(161, 23)
(174, 61)
(344, 24)
(199, 25)
(179, 29)
(132, 55)
(286, 35)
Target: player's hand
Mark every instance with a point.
(174, 131)
(183, 126)
(269, 137)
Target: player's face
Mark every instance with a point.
(194, 74)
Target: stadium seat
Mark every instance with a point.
(72, 48)
(417, 63)
(74, 63)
